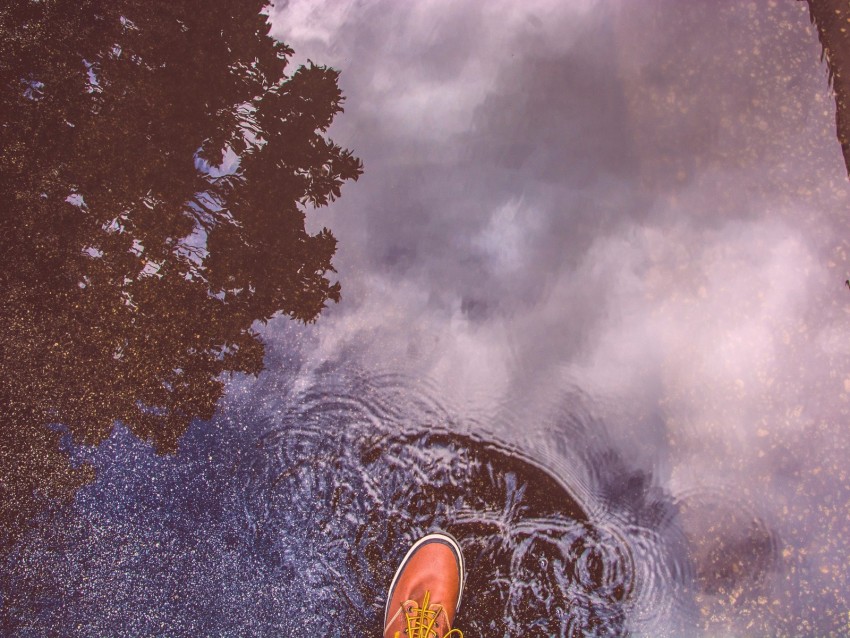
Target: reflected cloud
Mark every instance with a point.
(685, 267)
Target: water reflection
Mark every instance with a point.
(735, 553)
(683, 281)
(156, 165)
(831, 19)
(544, 560)
(291, 530)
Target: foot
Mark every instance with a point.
(425, 592)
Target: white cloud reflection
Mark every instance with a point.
(645, 199)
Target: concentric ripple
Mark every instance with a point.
(346, 477)
(734, 551)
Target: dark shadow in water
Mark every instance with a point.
(352, 471)
(537, 566)
(832, 18)
(156, 163)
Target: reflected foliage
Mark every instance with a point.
(156, 163)
(832, 18)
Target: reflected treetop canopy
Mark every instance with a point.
(156, 163)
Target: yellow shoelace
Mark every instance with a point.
(420, 624)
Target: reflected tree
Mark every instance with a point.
(156, 164)
(832, 19)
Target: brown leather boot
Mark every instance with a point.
(425, 592)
